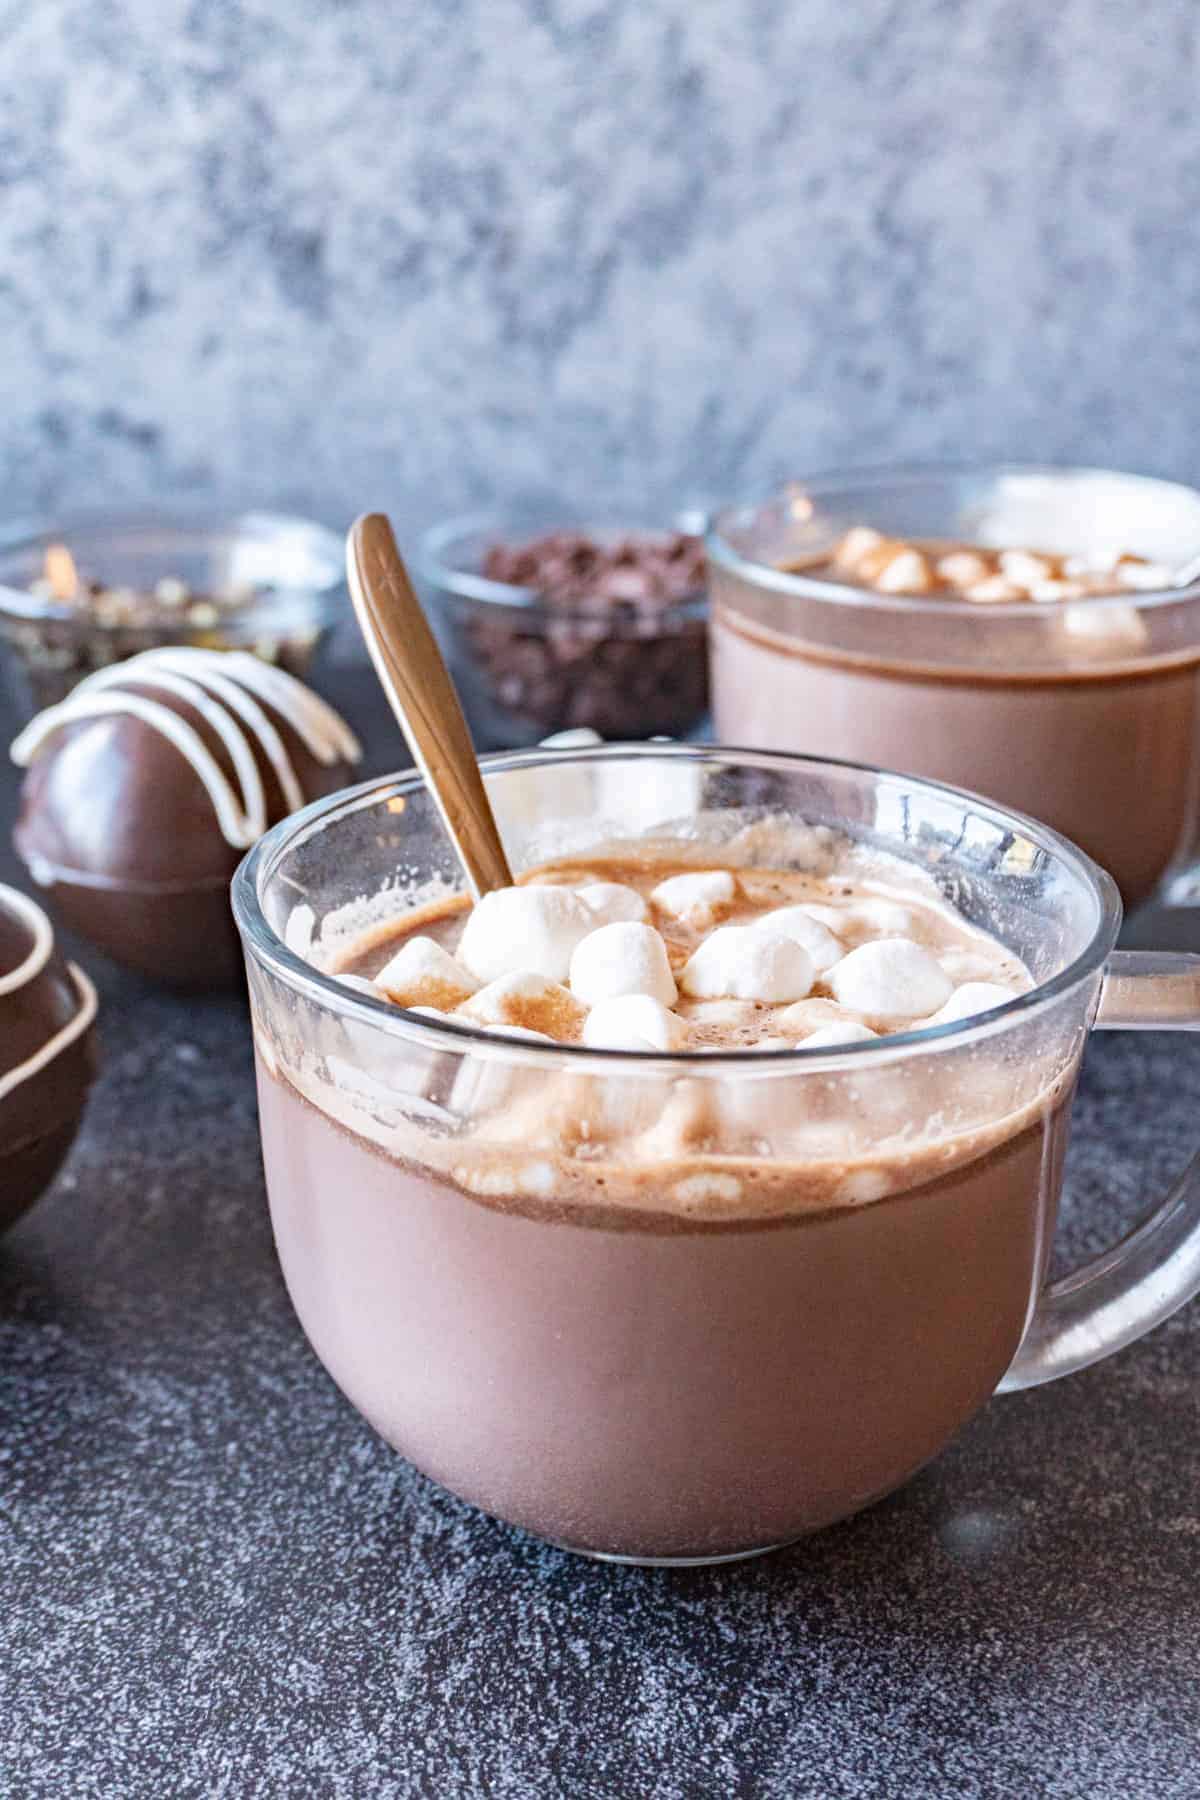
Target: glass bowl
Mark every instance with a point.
(264, 582)
(527, 667)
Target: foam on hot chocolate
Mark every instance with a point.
(704, 1139)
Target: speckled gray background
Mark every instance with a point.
(411, 252)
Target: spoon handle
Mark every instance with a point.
(423, 698)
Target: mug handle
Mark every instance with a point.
(1128, 1290)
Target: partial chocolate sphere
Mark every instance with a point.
(147, 785)
(47, 1053)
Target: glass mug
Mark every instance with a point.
(551, 1326)
(1083, 714)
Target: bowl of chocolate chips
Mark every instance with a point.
(551, 625)
(84, 591)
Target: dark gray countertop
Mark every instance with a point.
(216, 1580)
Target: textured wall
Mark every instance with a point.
(341, 252)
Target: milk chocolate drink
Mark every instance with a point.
(690, 1194)
(644, 1385)
(1043, 657)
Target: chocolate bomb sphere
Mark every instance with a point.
(47, 1053)
(149, 782)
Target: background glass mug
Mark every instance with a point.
(545, 1324)
(1083, 714)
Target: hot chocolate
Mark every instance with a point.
(651, 1267)
(573, 1232)
(644, 1384)
(1059, 678)
(1107, 758)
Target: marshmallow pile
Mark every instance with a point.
(974, 572)
(586, 964)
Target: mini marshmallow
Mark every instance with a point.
(528, 1000)
(905, 573)
(611, 902)
(632, 1022)
(849, 1031)
(685, 1122)
(1101, 560)
(502, 1090)
(886, 918)
(859, 542)
(995, 588)
(890, 979)
(962, 964)
(423, 973)
(1143, 577)
(864, 1186)
(1046, 591)
(300, 930)
(1023, 567)
(707, 1192)
(748, 963)
(1101, 628)
(698, 898)
(807, 1016)
(971, 998)
(531, 929)
(798, 923)
(637, 796)
(962, 567)
(622, 958)
(578, 737)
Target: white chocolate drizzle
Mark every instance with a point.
(225, 687)
(27, 971)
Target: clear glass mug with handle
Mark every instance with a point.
(683, 1308)
(1085, 713)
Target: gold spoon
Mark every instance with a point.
(423, 698)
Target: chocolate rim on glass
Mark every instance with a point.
(714, 1367)
(1083, 713)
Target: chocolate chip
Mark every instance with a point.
(612, 646)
